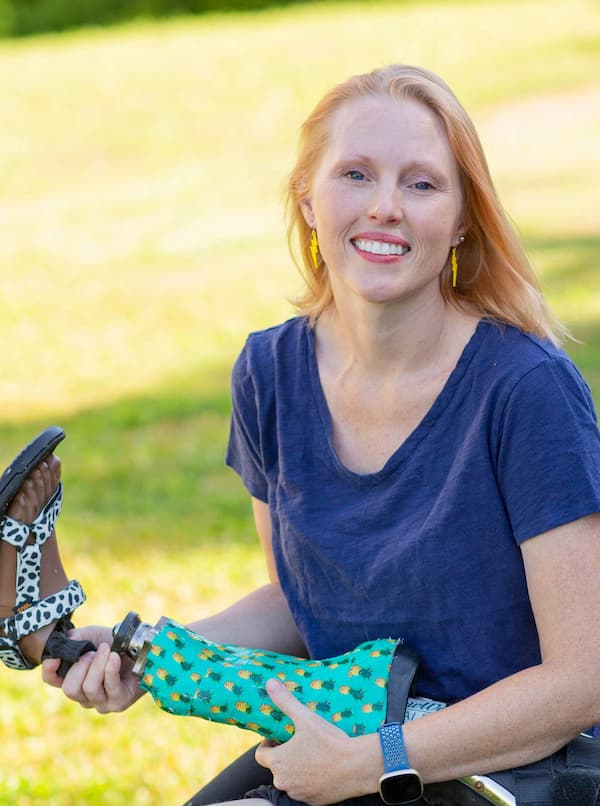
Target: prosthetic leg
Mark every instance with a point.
(188, 675)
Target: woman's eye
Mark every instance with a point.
(357, 176)
(423, 185)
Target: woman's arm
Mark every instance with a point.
(516, 721)
(261, 619)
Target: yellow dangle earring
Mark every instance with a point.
(454, 263)
(314, 249)
(454, 267)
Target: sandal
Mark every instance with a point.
(30, 612)
(189, 675)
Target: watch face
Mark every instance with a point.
(401, 786)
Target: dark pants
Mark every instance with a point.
(244, 776)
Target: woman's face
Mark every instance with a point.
(385, 200)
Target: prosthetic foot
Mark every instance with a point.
(36, 599)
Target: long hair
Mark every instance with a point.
(495, 275)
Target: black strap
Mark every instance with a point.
(577, 788)
(534, 783)
(569, 777)
(579, 782)
(402, 672)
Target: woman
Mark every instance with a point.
(423, 460)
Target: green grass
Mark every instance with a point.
(142, 238)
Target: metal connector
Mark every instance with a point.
(133, 638)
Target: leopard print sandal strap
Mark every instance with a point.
(30, 613)
(34, 617)
(29, 555)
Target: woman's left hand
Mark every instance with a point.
(320, 764)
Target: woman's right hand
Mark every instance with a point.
(100, 679)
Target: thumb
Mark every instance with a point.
(286, 702)
(49, 672)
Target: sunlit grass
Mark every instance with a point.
(142, 238)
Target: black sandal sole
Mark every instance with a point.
(15, 474)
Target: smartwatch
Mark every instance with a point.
(399, 782)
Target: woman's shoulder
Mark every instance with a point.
(278, 336)
(267, 349)
(524, 362)
(517, 349)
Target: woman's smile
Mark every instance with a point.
(380, 248)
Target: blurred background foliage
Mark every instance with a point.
(141, 168)
(23, 17)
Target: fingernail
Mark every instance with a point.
(114, 662)
(274, 684)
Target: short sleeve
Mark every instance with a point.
(549, 450)
(243, 450)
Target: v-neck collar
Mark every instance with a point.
(420, 432)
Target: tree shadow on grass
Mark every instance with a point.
(150, 469)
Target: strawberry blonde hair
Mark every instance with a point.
(495, 276)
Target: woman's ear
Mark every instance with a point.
(307, 211)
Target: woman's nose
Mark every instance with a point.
(387, 204)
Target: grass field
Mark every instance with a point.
(142, 238)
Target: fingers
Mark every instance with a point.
(94, 633)
(263, 753)
(300, 715)
(113, 685)
(84, 682)
(95, 681)
(98, 635)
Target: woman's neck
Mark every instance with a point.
(383, 338)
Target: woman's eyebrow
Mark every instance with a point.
(412, 165)
(424, 165)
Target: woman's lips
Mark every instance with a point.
(378, 247)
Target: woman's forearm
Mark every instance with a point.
(260, 620)
(517, 721)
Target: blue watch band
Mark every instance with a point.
(392, 746)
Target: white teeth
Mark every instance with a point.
(381, 247)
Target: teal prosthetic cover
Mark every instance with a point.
(191, 676)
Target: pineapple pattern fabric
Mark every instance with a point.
(188, 675)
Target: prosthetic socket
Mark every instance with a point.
(188, 675)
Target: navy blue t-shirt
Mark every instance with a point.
(427, 548)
